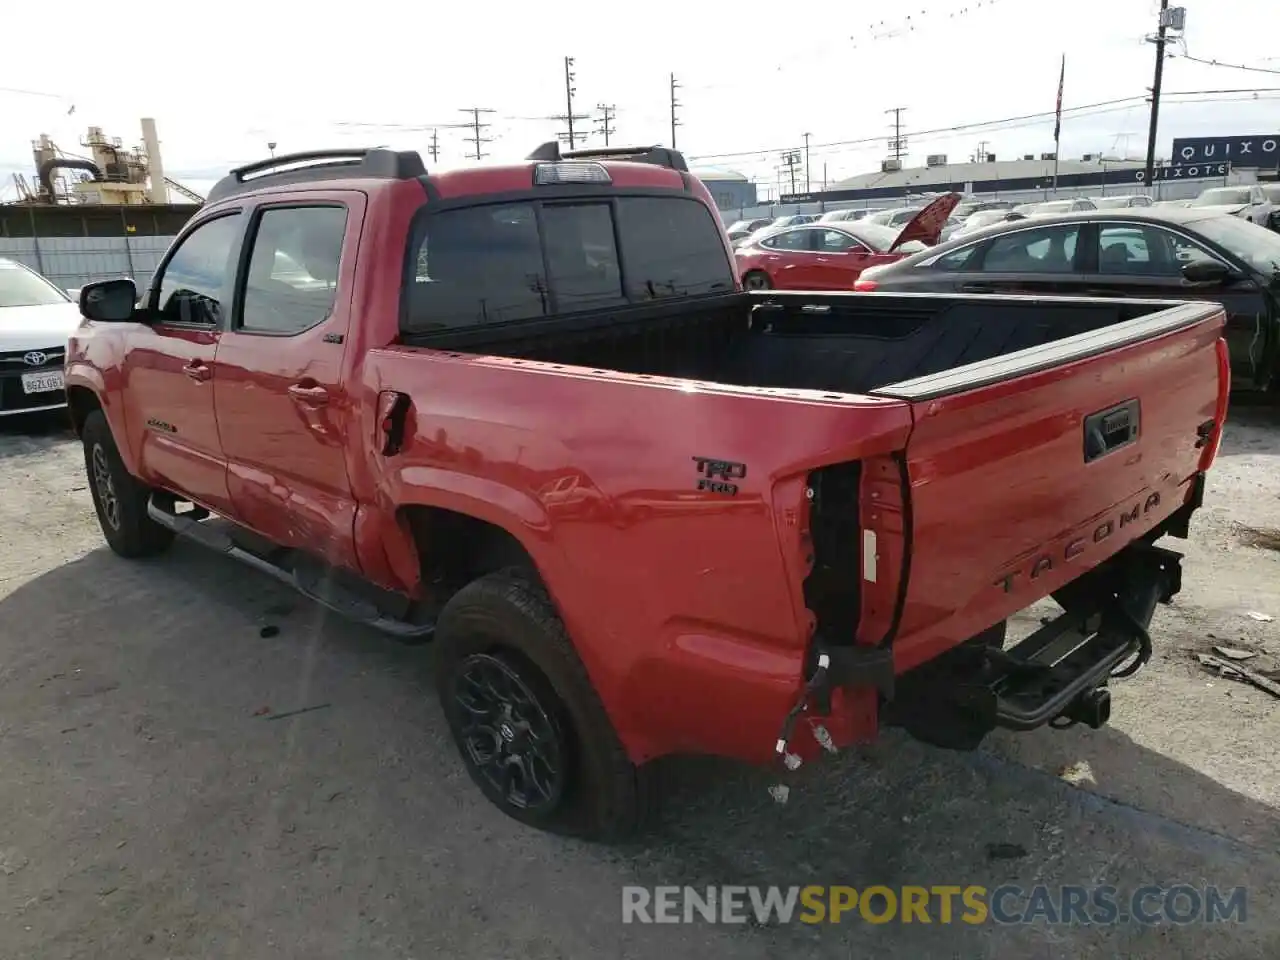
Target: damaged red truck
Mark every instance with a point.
(527, 411)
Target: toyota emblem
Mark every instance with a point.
(35, 358)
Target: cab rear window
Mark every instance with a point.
(511, 262)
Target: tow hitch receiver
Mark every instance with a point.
(1056, 675)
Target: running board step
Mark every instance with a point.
(309, 579)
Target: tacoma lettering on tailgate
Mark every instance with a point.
(1042, 563)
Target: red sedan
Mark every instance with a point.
(831, 255)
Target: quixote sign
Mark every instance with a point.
(1185, 171)
(1257, 150)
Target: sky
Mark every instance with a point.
(223, 81)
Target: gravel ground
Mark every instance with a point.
(153, 807)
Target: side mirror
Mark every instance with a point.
(109, 301)
(1207, 272)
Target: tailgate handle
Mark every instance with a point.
(1111, 429)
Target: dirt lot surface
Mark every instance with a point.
(154, 804)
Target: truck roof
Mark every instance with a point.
(636, 167)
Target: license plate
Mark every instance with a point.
(42, 382)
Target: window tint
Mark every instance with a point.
(671, 247)
(195, 286)
(1047, 250)
(293, 269)
(833, 241)
(788, 240)
(956, 259)
(582, 258)
(1125, 250)
(483, 265)
(478, 265)
(1146, 251)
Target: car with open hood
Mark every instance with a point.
(832, 255)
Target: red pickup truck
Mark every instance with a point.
(528, 412)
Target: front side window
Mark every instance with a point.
(293, 270)
(195, 284)
(1045, 250)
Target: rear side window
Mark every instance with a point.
(506, 263)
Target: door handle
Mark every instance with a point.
(198, 370)
(976, 288)
(314, 395)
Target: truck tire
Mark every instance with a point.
(119, 498)
(526, 719)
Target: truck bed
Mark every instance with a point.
(843, 343)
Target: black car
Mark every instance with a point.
(1169, 253)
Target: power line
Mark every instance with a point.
(807, 187)
(674, 103)
(568, 97)
(1232, 66)
(978, 125)
(898, 145)
(476, 126)
(1155, 90)
(607, 111)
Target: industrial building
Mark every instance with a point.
(729, 189)
(104, 213)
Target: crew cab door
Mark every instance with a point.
(282, 404)
(169, 366)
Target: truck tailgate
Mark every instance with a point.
(1028, 470)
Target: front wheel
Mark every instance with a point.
(119, 498)
(526, 719)
(757, 280)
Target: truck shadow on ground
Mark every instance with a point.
(157, 683)
(34, 433)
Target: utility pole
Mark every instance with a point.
(568, 97)
(1155, 92)
(674, 103)
(476, 126)
(434, 149)
(792, 160)
(807, 184)
(897, 146)
(607, 112)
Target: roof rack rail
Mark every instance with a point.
(550, 152)
(313, 165)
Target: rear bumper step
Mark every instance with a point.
(1059, 671)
